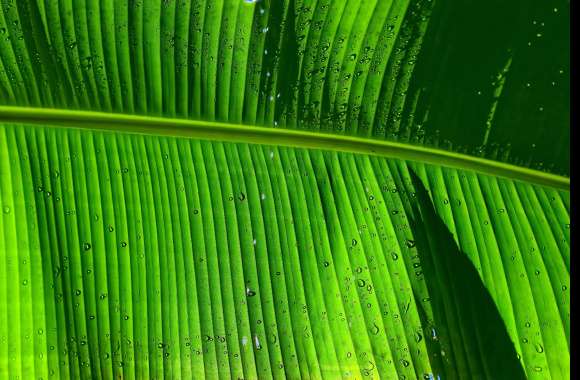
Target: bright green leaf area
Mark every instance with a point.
(264, 189)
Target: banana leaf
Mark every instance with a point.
(301, 189)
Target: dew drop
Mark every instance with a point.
(257, 343)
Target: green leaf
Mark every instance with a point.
(455, 286)
(225, 189)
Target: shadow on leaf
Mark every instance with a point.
(473, 341)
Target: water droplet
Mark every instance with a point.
(375, 329)
(123, 244)
(410, 243)
(354, 242)
(87, 246)
(405, 362)
(539, 348)
(242, 197)
(250, 292)
(111, 228)
(78, 292)
(394, 256)
(361, 283)
(6, 210)
(326, 263)
(257, 343)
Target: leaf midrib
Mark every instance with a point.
(218, 131)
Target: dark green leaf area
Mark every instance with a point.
(467, 331)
